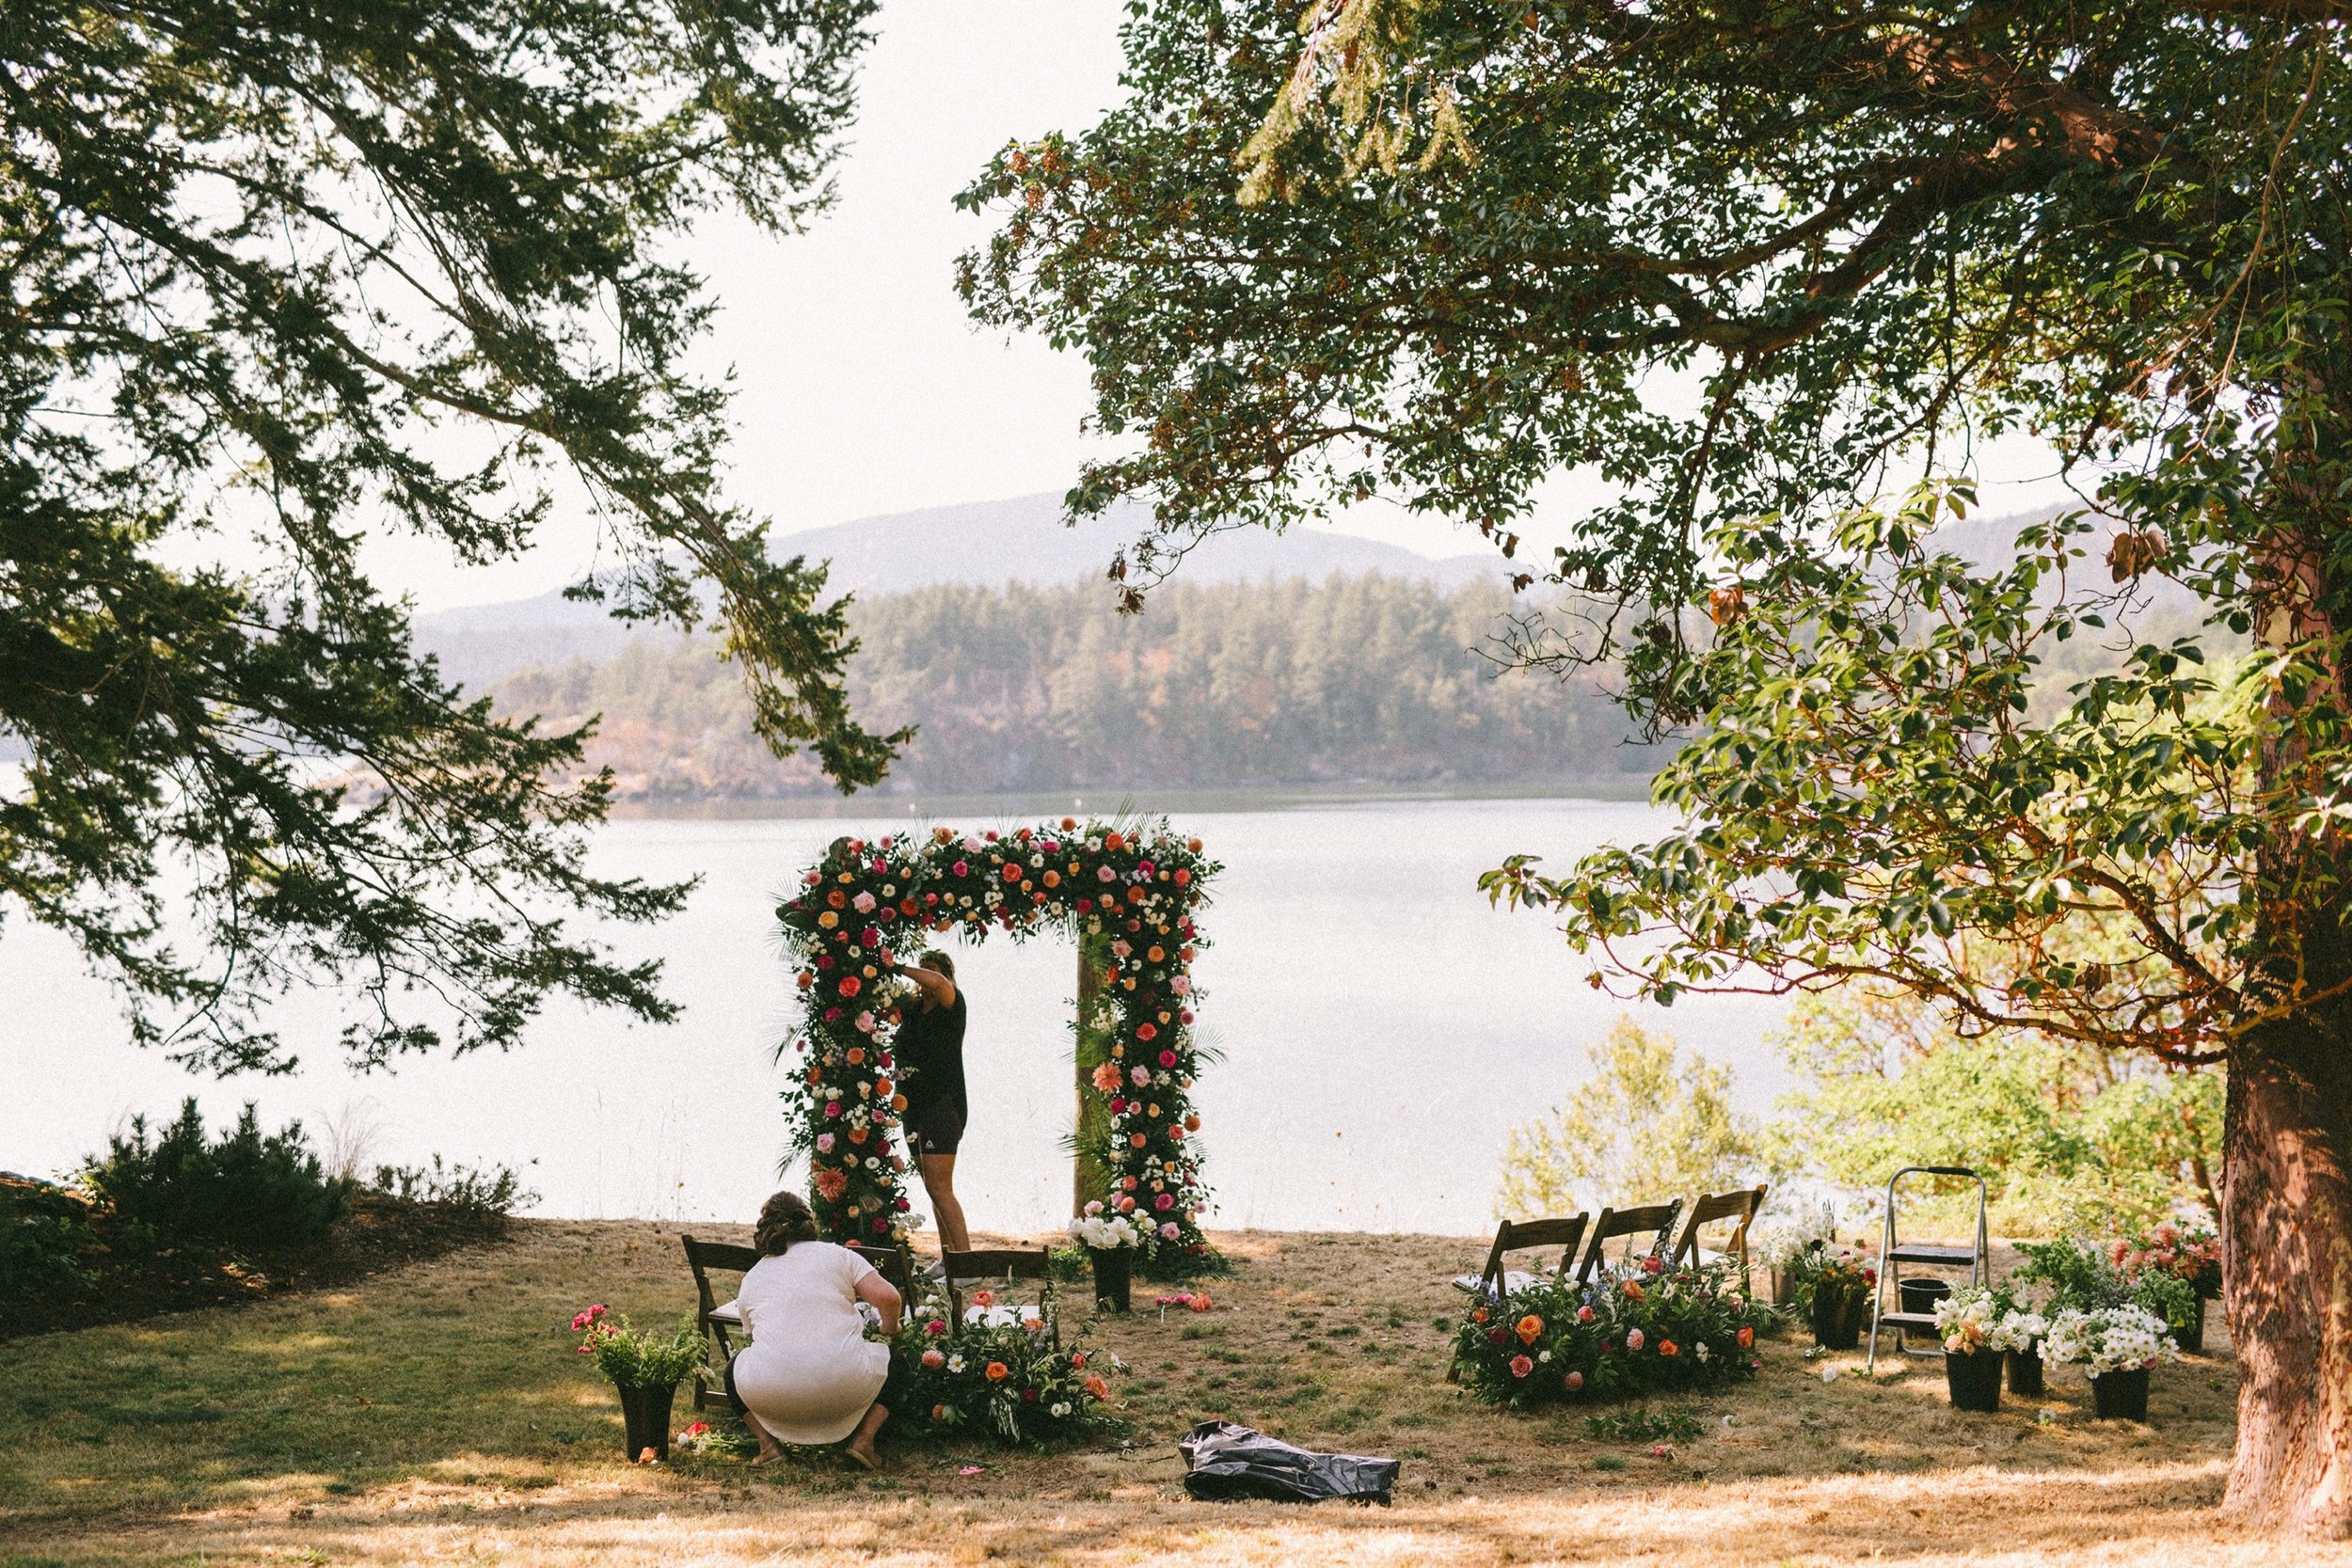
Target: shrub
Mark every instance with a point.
(468, 1191)
(246, 1192)
(1649, 1331)
(48, 1250)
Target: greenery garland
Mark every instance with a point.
(1128, 891)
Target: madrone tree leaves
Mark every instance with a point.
(291, 275)
(1757, 268)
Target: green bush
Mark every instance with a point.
(179, 1191)
(471, 1192)
(48, 1250)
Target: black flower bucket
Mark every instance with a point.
(1838, 1318)
(1974, 1379)
(2121, 1396)
(645, 1418)
(1114, 1271)
(2025, 1371)
(1922, 1293)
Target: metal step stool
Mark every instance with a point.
(1892, 1252)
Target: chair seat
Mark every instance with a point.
(1006, 1316)
(731, 1314)
(1514, 1281)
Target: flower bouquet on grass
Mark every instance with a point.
(2118, 1346)
(1110, 1239)
(2018, 1335)
(1833, 1291)
(1969, 1322)
(1650, 1330)
(1009, 1382)
(2174, 1272)
(646, 1370)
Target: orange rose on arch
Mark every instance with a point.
(998, 1371)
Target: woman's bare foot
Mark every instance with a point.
(769, 1456)
(863, 1456)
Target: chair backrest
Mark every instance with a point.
(1524, 1235)
(1656, 1219)
(888, 1261)
(987, 1263)
(702, 1257)
(1738, 1207)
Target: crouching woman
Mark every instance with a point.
(810, 1376)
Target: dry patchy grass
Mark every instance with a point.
(437, 1414)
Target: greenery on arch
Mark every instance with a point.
(1128, 889)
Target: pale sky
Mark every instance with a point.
(863, 385)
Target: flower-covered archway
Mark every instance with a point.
(1128, 892)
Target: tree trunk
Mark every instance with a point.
(2287, 1264)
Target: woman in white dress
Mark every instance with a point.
(810, 1376)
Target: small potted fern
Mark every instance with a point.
(646, 1368)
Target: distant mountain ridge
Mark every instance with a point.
(980, 544)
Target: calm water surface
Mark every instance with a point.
(1382, 1029)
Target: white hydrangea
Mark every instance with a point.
(2019, 1331)
(2112, 1339)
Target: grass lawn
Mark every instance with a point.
(436, 1413)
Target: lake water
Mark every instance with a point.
(1382, 1028)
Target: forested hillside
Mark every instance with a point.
(1367, 679)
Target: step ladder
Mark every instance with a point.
(1891, 1251)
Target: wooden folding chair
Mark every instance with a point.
(988, 1264)
(711, 1379)
(1656, 1219)
(888, 1261)
(1738, 1207)
(1526, 1235)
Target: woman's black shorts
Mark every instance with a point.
(935, 1128)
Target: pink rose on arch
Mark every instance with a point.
(1168, 1059)
(1119, 1106)
(832, 1013)
(833, 1107)
(1168, 1231)
(1147, 1030)
(862, 903)
(824, 1143)
(866, 1023)
(1105, 874)
(961, 868)
(1164, 1201)
(1141, 1075)
(1181, 985)
(1128, 1183)
(1121, 947)
(1127, 1203)
(812, 878)
(1186, 1014)
(869, 938)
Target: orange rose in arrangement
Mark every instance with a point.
(1529, 1328)
(857, 1054)
(983, 1298)
(1478, 1316)
(1667, 1347)
(1097, 1388)
(1633, 1291)
(1201, 1304)
(998, 1371)
(1747, 1337)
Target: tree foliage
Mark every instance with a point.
(1646, 1125)
(296, 275)
(2071, 1140)
(1225, 684)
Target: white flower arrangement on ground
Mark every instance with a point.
(1101, 1230)
(2112, 1339)
(2019, 1331)
(1965, 1319)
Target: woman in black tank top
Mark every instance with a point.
(930, 1049)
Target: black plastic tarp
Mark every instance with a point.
(1224, 1461)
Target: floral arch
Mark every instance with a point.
(1127, 890)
